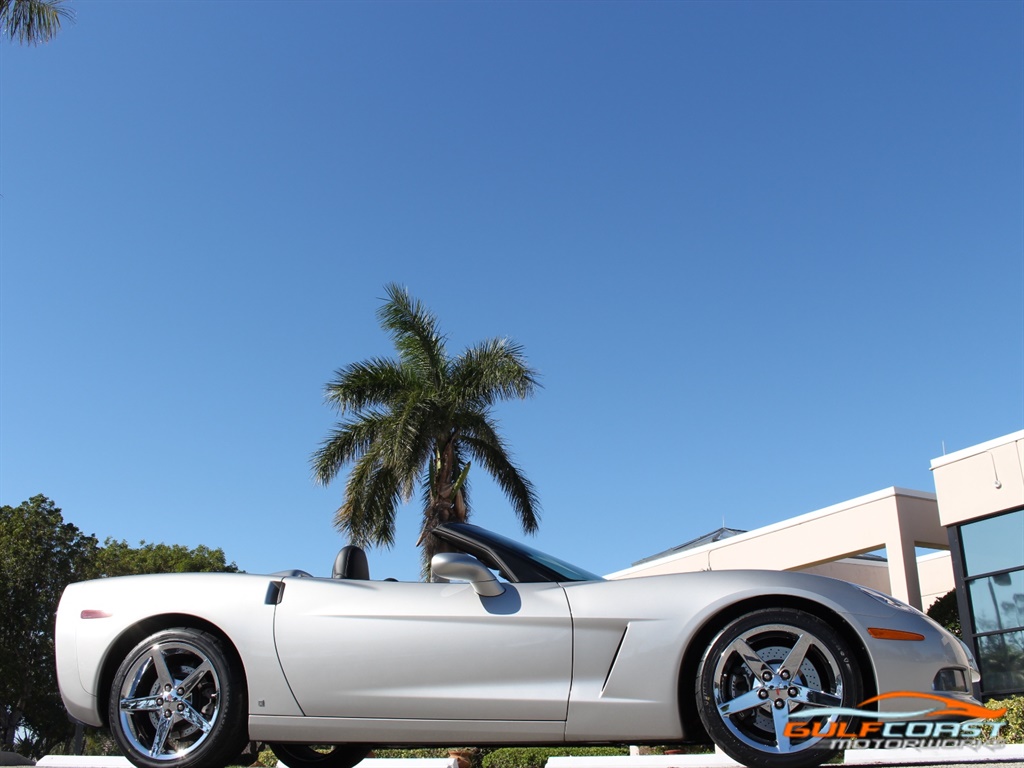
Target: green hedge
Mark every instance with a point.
(1013, 731)
(407, 753)
(509, 757)
(536, 757)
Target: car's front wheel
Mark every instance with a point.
(761, 679)
(308, 756)
(178, 700)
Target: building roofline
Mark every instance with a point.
(860, 501)
(974, 450)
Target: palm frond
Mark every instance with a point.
(33, 21)
(375, 382)
(347, 442)
(371, 504)
(408, 445)
(383, 507)
(352, 517)
(484, 443)
(413, 329)
(493, 370)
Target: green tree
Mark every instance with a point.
(117, 558)
(419, 420)
(40, 554)
(33, 21)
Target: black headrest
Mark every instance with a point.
(351, 564)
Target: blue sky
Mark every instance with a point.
(766, 256)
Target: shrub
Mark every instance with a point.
(945, 612)
(267, 758)
(1013, 731)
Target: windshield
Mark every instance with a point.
(564, 571)
(568, 571)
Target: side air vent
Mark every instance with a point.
(615, 658)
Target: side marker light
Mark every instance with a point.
(880, 633)
(90, 613)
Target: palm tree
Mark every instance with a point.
(419, 420)
(33, 21)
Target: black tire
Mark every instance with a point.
(305, 756)
(179, 700)
(745, 704)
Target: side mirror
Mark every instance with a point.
(451, 565)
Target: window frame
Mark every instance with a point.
(964, 601)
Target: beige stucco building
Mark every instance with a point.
(981, 503)
(829, 541)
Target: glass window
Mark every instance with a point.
(566, 571)
(998, 602)
(1002, 661)
(995, 544)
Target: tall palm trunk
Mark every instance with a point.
(446, 502)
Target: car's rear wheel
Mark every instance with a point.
(770, 668)
(328, 756)
(178, 700)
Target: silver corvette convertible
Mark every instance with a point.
(517, 647)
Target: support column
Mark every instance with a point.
(904, 583)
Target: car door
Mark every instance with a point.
(379, 649)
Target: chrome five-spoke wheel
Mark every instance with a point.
(178, 701)
(769, 668)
